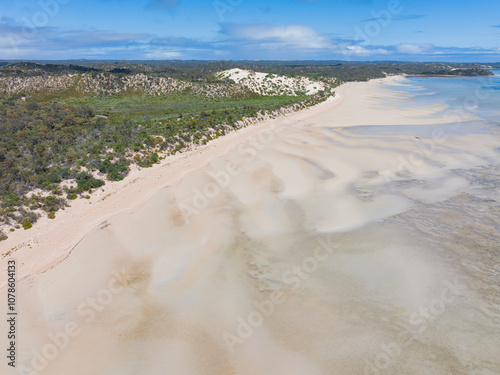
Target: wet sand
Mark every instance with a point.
(331, 242)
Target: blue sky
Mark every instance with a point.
(411, 30)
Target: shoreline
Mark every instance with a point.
(71, 225)
(50, 241)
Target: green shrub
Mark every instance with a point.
(52, 215)
(86, 182)
(52, 203)
(115, 171)
(26, 223)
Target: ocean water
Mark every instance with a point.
(480, 95)
(312, 249)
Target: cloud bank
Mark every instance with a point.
(232, 41)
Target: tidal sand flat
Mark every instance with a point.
(362, 237)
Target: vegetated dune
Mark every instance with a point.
(107, 84)
(273, 84)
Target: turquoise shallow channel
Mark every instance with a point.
(478, 94)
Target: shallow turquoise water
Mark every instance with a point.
(480, 95)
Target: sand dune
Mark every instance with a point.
(273, 84)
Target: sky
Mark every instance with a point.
(353, 30)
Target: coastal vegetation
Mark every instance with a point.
(66, 129)
(205, 71)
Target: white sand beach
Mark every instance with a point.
(295, 246)
(51, 240)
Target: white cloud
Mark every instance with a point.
(356, 50)
(413, 49)
(295, 36)
(159, 55)
(296, 40)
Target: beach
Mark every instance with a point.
(50, 241)
(358, 236)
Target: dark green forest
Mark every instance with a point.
(200, 70)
